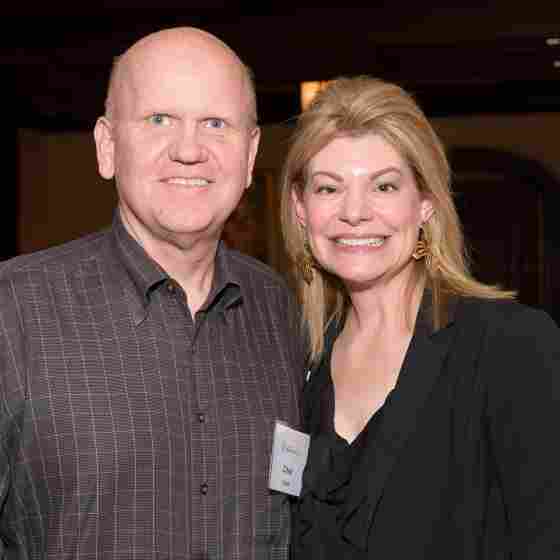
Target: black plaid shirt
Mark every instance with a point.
(128, 430)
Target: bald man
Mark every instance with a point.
(143, 368)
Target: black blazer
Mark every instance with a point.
(465, 462)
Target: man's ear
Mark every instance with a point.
(255, 136)
(105, 147)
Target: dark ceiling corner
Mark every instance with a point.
(498, 58)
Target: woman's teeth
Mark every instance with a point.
(361, 242)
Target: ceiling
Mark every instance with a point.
(498, 57)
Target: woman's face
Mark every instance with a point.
(362, 210)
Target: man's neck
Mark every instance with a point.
(189, 260)
(192, 269)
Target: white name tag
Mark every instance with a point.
(289, 456)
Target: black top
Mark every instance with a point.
(464, 463)
(328, 474)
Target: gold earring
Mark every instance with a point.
(423, 249)
(306, 263)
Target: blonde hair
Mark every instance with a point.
(364, 105)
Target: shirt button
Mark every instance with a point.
(204, 488)
(201, 417)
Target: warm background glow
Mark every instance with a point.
(308, 90)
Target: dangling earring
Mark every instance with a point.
(423, 249)
(305, 261)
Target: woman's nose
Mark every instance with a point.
(355, 207)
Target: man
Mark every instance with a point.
(142, 369)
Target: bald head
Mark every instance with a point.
(179, 137)
(168, 45)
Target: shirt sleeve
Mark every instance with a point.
(297, 337)
(522, 362)
(11, 392)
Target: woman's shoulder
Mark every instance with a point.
(505, 318)
(500, 342)
(500, 311)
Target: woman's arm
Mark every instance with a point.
(522, 366)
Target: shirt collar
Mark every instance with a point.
(226, 285)
(146, 275)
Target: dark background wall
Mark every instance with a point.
(488, 76)
(490, 56)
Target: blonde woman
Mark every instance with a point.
(430, 396)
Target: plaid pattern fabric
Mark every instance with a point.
(130, 431)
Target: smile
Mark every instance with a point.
(361, 242)
(187, 182)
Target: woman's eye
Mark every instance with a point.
(325, 189)
(386, 187)
(160, 119)
(215, 123)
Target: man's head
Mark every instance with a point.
(179, 136)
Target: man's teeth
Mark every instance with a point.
(361, 242)
(192, 182)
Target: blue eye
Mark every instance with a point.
(160, 119)
(215, 123)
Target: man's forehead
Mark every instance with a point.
(181, 82)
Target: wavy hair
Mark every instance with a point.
(364, 105)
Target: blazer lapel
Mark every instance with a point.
(423, 363)
(316, 381)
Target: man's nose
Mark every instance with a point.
(355, 207)
(187, 146)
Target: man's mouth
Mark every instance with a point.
(187, 181)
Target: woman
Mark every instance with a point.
(431, 396)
